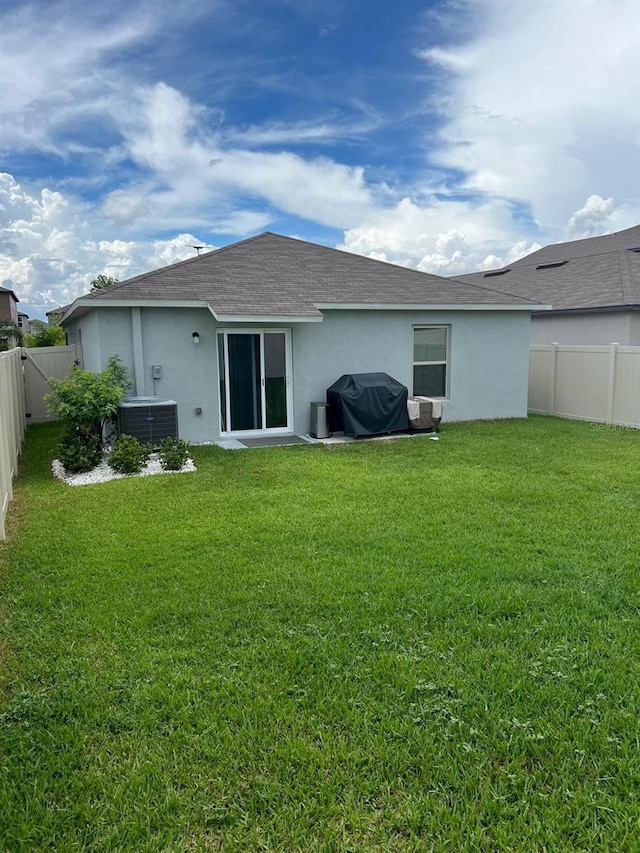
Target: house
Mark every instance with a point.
(24, 322)
(246, 337)
(593, 286)
(55, 314)
(8, 305)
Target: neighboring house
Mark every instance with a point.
(593, 286)
(54, 316)
(24, 323)
(244, 338)
(8, 305)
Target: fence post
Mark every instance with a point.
(12, 427)
(5, 420)
(17, 397)
(552, 377)
(611, 381)
(12, 421)
(6, 466)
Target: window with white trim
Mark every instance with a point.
(430, 360)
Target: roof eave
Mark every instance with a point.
(266, 318)
(81, 306)
(595, 309)
(429, 306)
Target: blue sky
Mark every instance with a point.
(448, 136)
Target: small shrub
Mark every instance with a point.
(44, 335)
(129, 455)
(10, 335)
(117, 373)
(85, 400)
(174, 452)
(79, 452)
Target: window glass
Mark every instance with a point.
(429, 380)
(430, 353)
(430, 344)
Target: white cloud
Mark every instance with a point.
(49, 255)
(244, 222)
(451, 60)
(126, 206)
(165, 252)
(319, 190)
(163, 134)
(52, 64)
(194, 169)
(320, 131)
(540, 104)
(442, 237)
(591, 219)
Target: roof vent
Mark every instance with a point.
(636, 250)
(551, 265)
(495, 272)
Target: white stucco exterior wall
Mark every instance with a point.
(488, 358)
(595, 329)
(189, 371)
(85, 331)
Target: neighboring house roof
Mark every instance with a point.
(7, 290)
(583, 275)
(60, 311)
(274, 276)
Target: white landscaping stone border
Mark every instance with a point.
(102, 473)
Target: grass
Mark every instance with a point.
(387, 646)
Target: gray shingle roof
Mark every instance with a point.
(271, 275)
(600, 272)
(621, 240)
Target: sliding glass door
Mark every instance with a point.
(254, 380)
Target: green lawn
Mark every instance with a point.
(385, 646)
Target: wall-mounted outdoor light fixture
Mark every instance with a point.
(196, 337)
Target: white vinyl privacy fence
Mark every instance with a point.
(24, 381)
(12, 425)
(39, 365)
(600, 384)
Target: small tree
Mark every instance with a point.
(10, 334)
(45, 335)
(101, 281)
(84, 401)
